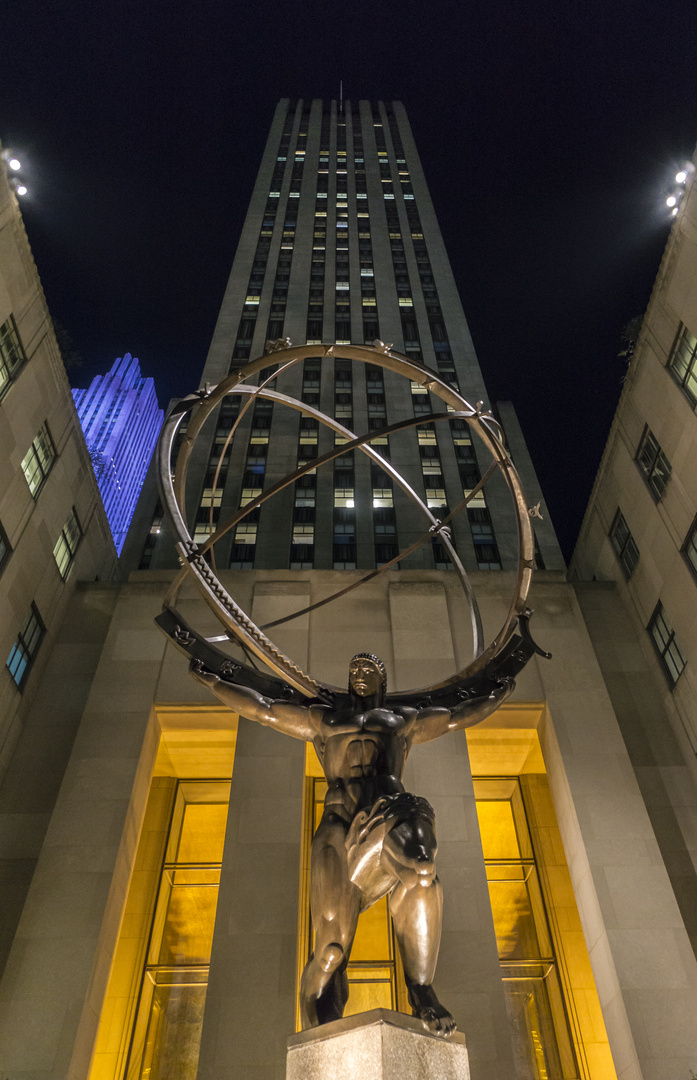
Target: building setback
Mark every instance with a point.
(167, 919)
(121, 420)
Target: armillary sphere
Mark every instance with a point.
(491, 663)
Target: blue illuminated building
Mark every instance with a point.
(121, 420)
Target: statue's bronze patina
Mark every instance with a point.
(375, 838)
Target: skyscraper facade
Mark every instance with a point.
(341, 244)
(121, 420)
(169, 902)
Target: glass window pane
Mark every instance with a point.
(173, 1037)
(373, 935)
(17, 663)
(691, 547)
(497, 828)
(31, 469)
(369, 989)
(533, 1030)
(203, 833)
(188, 929)
(514, 921)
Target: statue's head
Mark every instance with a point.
(367, 676)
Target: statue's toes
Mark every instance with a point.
(442, 1025)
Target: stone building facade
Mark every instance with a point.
(167, 918)
(638, 548)
(53, 534)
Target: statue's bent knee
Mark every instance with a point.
(330, 957)
(411, 848)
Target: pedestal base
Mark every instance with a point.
(376, 1045)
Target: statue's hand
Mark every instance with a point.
(202, 675)
(503, 690)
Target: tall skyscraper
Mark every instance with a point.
(341, 244)
(169, 903)
(121, 421)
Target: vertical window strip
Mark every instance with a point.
(68, 542)
(682, 363)
(38, 460)
(25, 648)
(624, 544)
(12, 355)
(663, 639)
(439, 334)
(247, 326)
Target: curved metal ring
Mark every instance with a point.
(172, 490)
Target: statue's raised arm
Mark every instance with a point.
(300, 721)
(434, 721)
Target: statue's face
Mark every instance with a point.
(365, 678)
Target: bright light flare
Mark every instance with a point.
(681, 177)
(21, 190)
(671, 201)
(15, 164)
(674, 212)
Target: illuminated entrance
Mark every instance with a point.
(154, 1007)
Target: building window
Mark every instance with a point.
(382, 497)
(67, 544)
(682, 363)
(25, 648)
(623, 542)
(37, 462)
(344, 497)
(303, 534)
(653, 464)
(5, 549)
(534, 990)
(212, 498)
(246, 534)
(167, 1030)
(12, 357)
(663, 638)
(689, 548)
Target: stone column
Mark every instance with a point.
(250, 1005)
(468, 978)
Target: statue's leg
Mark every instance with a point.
(416, 906)
(335, 904)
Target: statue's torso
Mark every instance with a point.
(363, 756)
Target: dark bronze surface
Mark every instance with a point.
(374, 839)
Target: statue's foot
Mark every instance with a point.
(426, 1006)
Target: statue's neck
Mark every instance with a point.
(365, 704)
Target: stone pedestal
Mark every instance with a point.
(376, 1045)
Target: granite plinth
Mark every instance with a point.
(376, 1045)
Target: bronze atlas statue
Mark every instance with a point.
(374, 839)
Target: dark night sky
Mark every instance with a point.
(549, 130)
